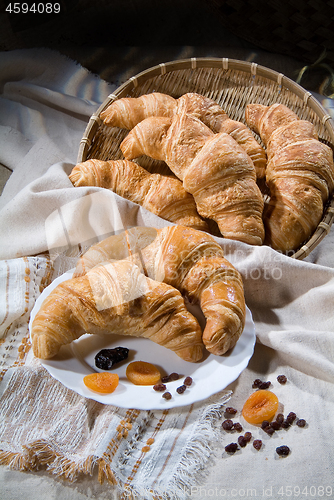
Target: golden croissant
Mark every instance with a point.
(116, 298)
(213, 167)
(300, 174)
(160, 194)
(127, 112)
(192, 262)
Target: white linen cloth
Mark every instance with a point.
(44, 107)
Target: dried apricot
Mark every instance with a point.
(102, 382)
(261, 405)
(142, 373)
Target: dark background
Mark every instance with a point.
(107, 37)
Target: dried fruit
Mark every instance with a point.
(107, 358)
(283, 451)
(181, 389)
(282, 379)
(257, 443)
(280, 418)
(248, 436)
(142, 373)
(301, 422)
(230, 410)
(231, 448)
(237, 427)
(256, 383)
(103, 382)
(291, 417)
(174, 376)
(159, 387)
(242, 441)
(188, 381)
(261, 405)
(227, 425)
(167, 395)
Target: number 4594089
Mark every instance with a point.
(35, 8)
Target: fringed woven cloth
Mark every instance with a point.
(45, 425)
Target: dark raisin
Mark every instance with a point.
(264, 385)
(174, 376)
(248, 436)
(227, 425)
(291, 417)
(242, 441)
(188, 381)
(230, 410)
(107, 358)
(265, 424)
(237, 427)
(165, 379)
(283, 451)
(301, 422)
(159, 387)
(181, 389)
(280, 418)
(257, 443)
(269, 430)
(256, 383)
(276, 426)
(167, 395)
(282, 379)
(286, 424)
(231, 448)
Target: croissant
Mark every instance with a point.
(192, 262)
(300, 174)
(116, 298)
(213, 167)
(160, 194)
(127, 112)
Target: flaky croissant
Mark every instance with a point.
(192, 262)
(213, 167)
(300, 174)
(116, 298)
(160, 194)
(128, 112)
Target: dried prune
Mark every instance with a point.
(283, 451)
(107, 358)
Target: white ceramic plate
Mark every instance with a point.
(210, 376)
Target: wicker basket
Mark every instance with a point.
(231, 83)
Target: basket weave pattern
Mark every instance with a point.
(231, 83)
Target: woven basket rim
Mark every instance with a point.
(224, 63)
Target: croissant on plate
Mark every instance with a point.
(300, 174)
(192, 262)
(213, 167)
(127, 112)
(116, 298)
(162, 195)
